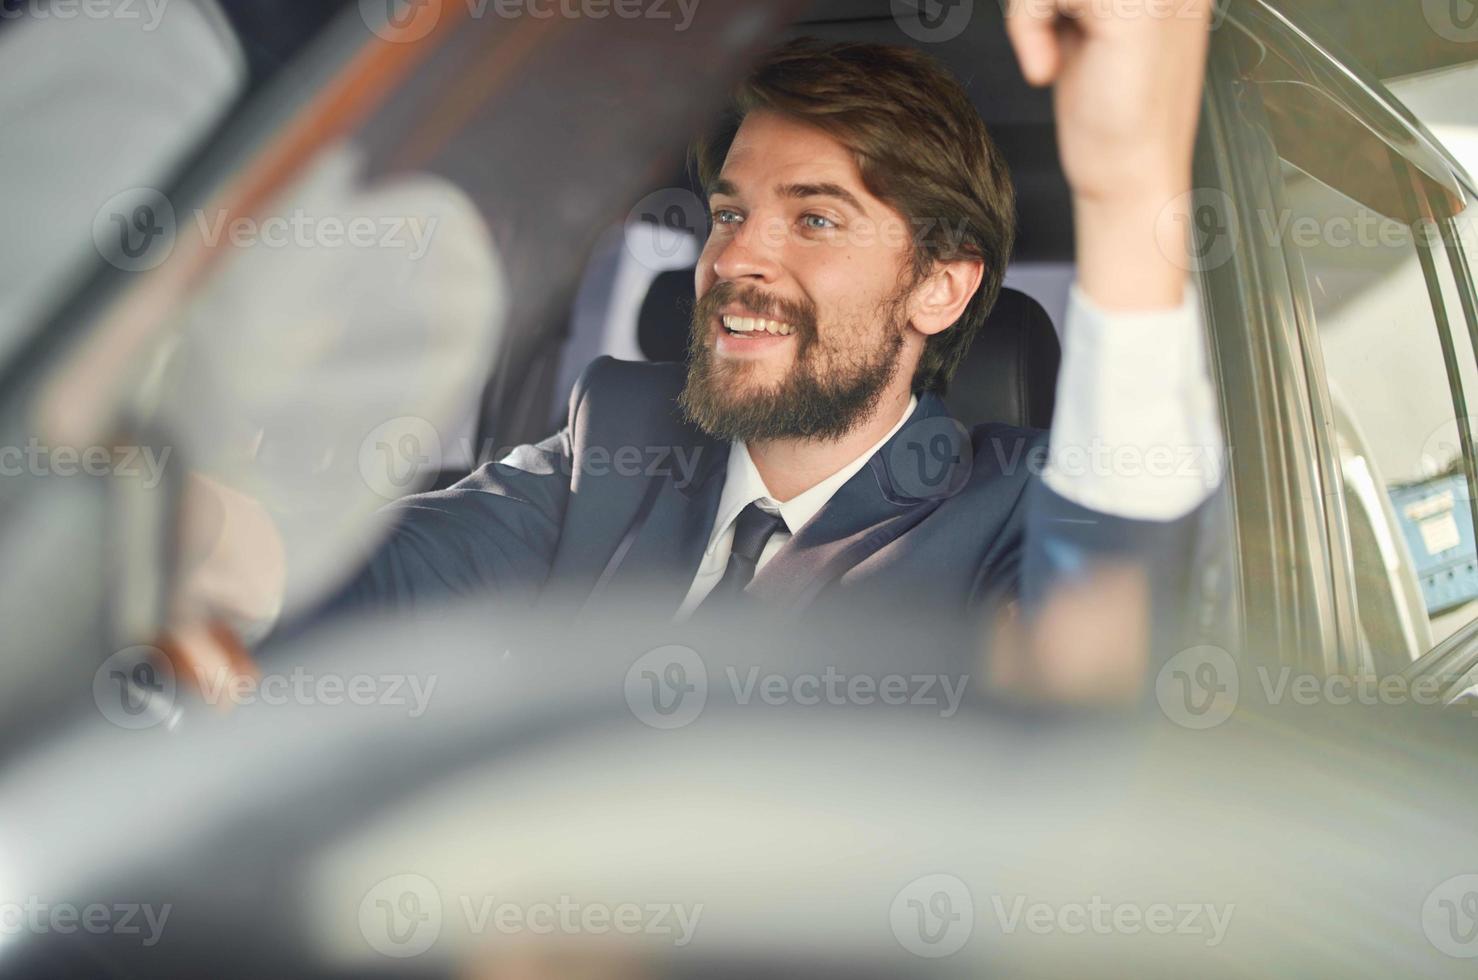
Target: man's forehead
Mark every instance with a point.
(771, 152)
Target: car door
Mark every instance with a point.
(1329, 242)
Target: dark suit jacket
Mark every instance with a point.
(619, 506)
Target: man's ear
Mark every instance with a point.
(940, 299)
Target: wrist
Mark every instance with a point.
(1131, 247)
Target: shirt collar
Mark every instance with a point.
(743, 486)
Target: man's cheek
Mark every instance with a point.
(862, 234)
(896, 236)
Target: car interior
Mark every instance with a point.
(567, 227)
(626, 241)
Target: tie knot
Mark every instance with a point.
(752, 530)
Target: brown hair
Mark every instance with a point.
(921, 148)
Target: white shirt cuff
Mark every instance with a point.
(1136, 432)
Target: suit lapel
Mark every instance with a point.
(662, 548)
(880, 503)
(663, 545)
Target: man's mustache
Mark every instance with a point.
(802, 316)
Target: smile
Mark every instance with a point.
(748, 325)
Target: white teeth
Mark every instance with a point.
(750, 324)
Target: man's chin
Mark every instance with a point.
(760, 413)
(756, 401)
(730, 402)
(740, 382)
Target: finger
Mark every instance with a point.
(1032, 27)
(207, 658)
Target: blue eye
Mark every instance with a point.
(725, 216)
(817, 223)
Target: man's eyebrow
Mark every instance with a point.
(823, 189)
(723, 186)
(727, 188)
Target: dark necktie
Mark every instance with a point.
(752, 530)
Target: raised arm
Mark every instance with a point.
(1136, 442)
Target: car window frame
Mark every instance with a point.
(1285, 606)
(1296, 581)
(1420, 202)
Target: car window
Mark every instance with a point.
(1394, 412)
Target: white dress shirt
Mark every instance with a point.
(1135, 433)
(743, 486)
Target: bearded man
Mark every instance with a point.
(862, 222)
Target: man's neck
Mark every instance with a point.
(790, 467)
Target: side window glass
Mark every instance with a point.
(1395, 414)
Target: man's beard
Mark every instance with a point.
(826, 393)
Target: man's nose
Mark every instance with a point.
(750, 253)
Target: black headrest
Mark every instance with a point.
(662, 327)
(1008, 375)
